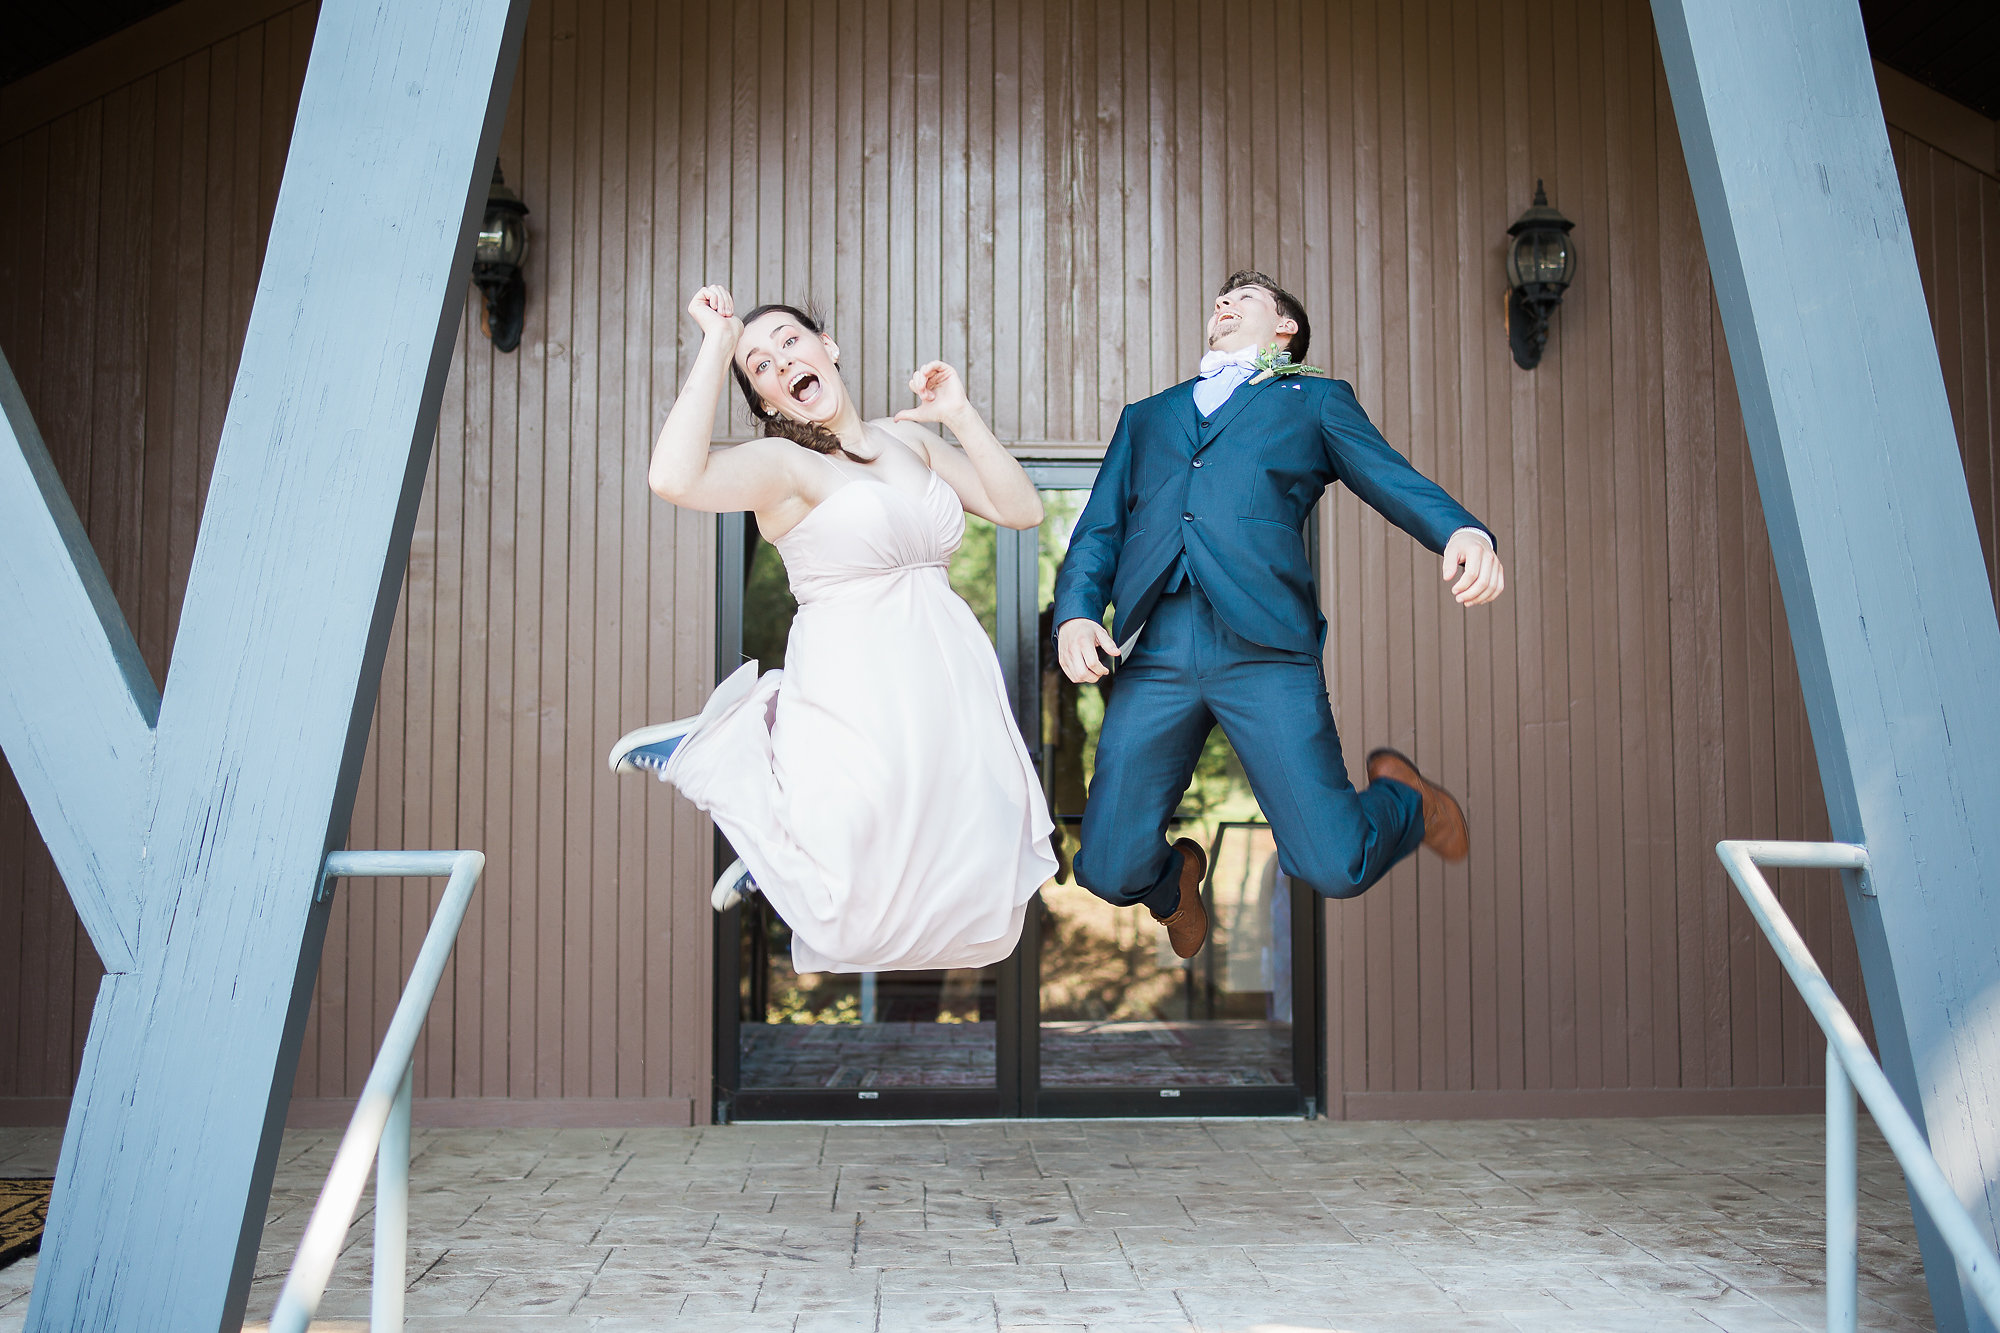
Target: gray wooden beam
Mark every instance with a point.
(79, 701)
(174, 1127)
(1864, 495)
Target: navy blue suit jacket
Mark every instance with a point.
(1234, 493)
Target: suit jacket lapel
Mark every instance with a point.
(1227, 412)
(1180, 404)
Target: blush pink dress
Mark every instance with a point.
(877, 788)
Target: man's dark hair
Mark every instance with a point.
(1288, 306)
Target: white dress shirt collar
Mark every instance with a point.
(1222, 374)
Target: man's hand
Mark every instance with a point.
(1482, 579)
(1077, 642)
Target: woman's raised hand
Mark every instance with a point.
(714, 311)
(940, 394)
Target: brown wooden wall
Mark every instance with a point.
(129, 258)
(1045, 193)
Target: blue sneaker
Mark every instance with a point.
(734, 885)
(648, 749)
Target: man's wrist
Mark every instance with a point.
(1065, 623)
(1480, 533)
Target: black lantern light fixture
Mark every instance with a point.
(1541, 260)
(496, 263)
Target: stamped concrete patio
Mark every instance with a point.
(1652, 1225)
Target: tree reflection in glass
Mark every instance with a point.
(1118, 1008)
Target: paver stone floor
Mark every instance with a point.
(1214, 1226)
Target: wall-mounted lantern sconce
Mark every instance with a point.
(1541, 260)
(496, 263)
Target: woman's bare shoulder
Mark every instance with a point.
(911, 436)
(757, 449)
(767, 453)
(785, 468)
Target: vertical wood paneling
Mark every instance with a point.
(522, 645)
(1045, 191)
(1496, 893)
(22, 856)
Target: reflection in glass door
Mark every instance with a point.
(1093, 1015)
(843, 1044)
(1122, 1025)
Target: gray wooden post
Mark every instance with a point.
(78, 729)
(1865, 498)
(192, 843)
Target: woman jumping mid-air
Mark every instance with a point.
(876, 789)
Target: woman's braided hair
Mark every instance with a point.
(806, 434)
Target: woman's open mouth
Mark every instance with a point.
(804, 388)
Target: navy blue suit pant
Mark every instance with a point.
(1188, 673)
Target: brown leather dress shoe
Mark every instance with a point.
(1444, 822)
(1187, 926)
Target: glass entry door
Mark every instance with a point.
(1093, 1014)
(1120, 1025)
(845, 1045)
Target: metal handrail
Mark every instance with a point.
(380, 1129)
(1851, 1068)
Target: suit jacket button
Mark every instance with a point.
(1197, 462)
(1204, 425)
(1187, 518)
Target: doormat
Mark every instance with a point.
(24, 1208)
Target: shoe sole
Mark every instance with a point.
(644, 736)
(727, 892)
(1193, 862)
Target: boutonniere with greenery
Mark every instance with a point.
(1274, 362)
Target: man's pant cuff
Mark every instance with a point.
(1164, 898)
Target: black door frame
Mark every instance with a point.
(1017, 1092)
